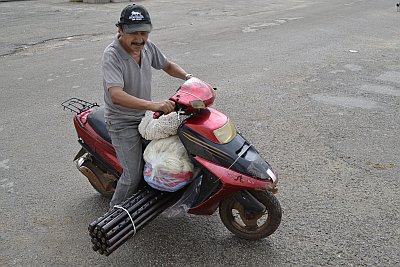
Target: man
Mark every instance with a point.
(126, 67)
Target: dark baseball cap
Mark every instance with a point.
(135, 18)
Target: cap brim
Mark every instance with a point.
(131, 28)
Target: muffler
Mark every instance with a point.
(93, 179)
(102, 182)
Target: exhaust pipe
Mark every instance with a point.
(103, 182)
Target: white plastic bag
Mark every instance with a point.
(168, 167)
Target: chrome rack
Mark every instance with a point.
(78, 105)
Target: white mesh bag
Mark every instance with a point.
(166, 125)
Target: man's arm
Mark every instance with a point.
(121, 98)
(176, 71)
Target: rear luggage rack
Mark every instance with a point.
(78, 105)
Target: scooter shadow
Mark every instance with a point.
(198, 240)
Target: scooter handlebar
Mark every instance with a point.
(158, 114)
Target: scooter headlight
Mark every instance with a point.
(198, 104)
(226, 133)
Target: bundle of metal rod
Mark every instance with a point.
(115, 227)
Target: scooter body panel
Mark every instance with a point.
(96, 144)
(231, 182)
(207, 121)
(238, 154)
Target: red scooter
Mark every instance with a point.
(229, 172)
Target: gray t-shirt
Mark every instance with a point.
(120, 69)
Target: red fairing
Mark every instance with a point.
(192, 90)
(96, 142)
(231, 182)
(230, 178)
(206, 122)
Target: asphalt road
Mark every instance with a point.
(314, 85)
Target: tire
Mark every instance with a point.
(250, 226)
(100, 181)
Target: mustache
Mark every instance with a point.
(138, 44)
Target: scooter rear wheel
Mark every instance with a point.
(251, 226)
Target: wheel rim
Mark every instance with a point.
(248, 223)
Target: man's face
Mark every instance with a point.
(134, 41)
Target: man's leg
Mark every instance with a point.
(128, 145)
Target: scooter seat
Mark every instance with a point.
(97, 121)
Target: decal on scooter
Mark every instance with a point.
(240, 178)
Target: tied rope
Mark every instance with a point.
(130, 217)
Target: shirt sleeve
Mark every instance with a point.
(111, 69)
(159, 60)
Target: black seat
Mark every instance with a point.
(97, 121)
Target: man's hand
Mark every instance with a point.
(166, 106)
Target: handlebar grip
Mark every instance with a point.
(158, 114)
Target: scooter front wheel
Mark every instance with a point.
(250, 225)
